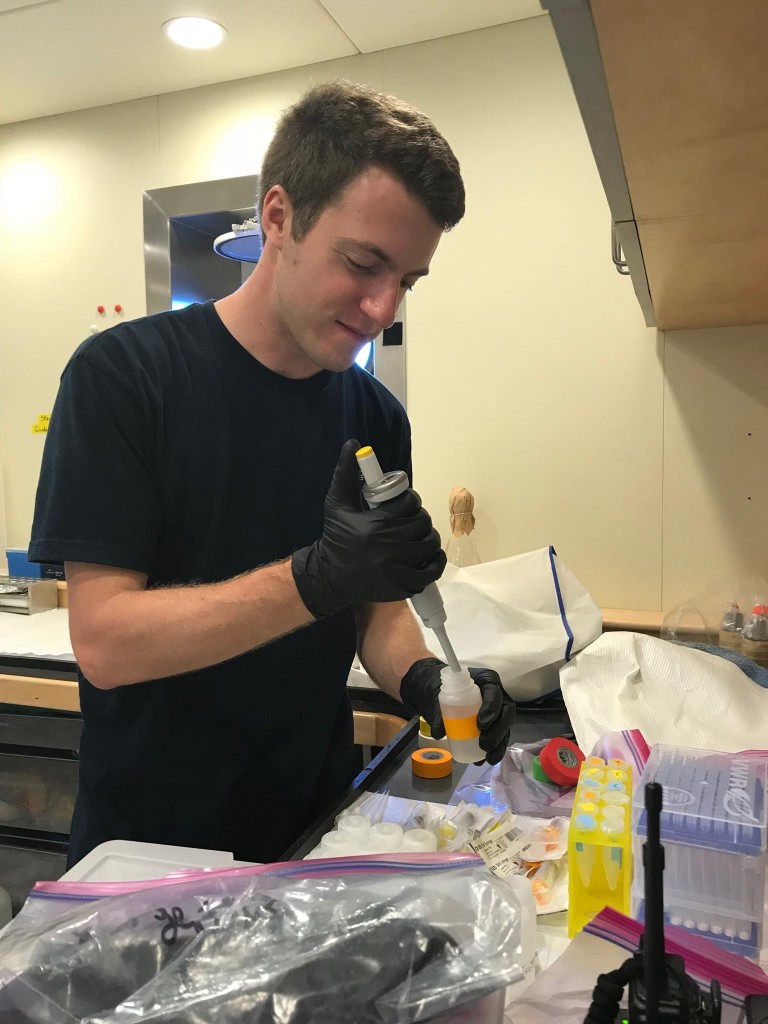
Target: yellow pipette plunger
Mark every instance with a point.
(380, 487)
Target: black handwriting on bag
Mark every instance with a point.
(174, 920)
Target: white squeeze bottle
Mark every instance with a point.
(460, 701)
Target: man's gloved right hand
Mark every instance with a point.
(387, 553)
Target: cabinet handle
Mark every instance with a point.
(616, 254)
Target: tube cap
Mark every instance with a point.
(431, 763)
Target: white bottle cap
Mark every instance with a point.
(336, 844)
(419, 840)
(356, 826)
(387, 837)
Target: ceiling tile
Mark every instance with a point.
(62, 55)
(373, 25)
(73, 54)
(11, 5)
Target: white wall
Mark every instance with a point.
(74, 243)
(532, 378)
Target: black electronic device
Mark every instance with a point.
(755, 1010)
(659, 989)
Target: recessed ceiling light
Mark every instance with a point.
(195, 33)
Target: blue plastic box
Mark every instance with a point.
(19, 566)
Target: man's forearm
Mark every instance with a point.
(389, 641)
(136, 635)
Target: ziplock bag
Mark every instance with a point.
(515, 785)
(374, 940)
(629, 745)
(522, 616)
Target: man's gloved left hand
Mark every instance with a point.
(419, 691)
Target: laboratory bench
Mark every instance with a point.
(40, 726)
(391, 770)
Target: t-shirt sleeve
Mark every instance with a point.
(98, 498)
(400, 443)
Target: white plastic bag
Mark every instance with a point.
(522, 616)
(673, 694)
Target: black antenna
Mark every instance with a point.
(653, 943)
(660, 992)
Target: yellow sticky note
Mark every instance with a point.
(41, 427)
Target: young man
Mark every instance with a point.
(220, 563)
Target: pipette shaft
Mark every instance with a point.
(445, 643)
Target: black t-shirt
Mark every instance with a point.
(172, 451)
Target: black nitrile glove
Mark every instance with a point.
(387, 553)
(419, 693)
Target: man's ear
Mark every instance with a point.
(276, 216)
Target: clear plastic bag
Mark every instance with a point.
(513, 784)
(354, 941)
(698, 620)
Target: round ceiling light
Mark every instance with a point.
(195, 33)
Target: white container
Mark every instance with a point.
(122, 860)
(460, 701)
(386, 837)
(337, 844)
(355, 826)
(419, 840)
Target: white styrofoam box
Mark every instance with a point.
(124, 861)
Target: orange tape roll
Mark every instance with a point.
(431, 763)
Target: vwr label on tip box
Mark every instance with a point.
(41, 427)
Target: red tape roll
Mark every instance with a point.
(561, 760)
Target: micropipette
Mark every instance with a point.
(378, 488)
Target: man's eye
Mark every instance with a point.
(360, 268)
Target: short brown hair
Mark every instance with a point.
(337, 130)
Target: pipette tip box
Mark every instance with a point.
(714, 825)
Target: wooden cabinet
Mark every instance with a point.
(674, 98)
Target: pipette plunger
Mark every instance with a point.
(380, 487)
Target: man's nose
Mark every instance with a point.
(380, 305)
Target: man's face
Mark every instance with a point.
(341, 285)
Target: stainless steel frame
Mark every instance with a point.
(178, 221)
(180, 225)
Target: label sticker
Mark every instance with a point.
(461, 728)
(41, 427)
(502, 847)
